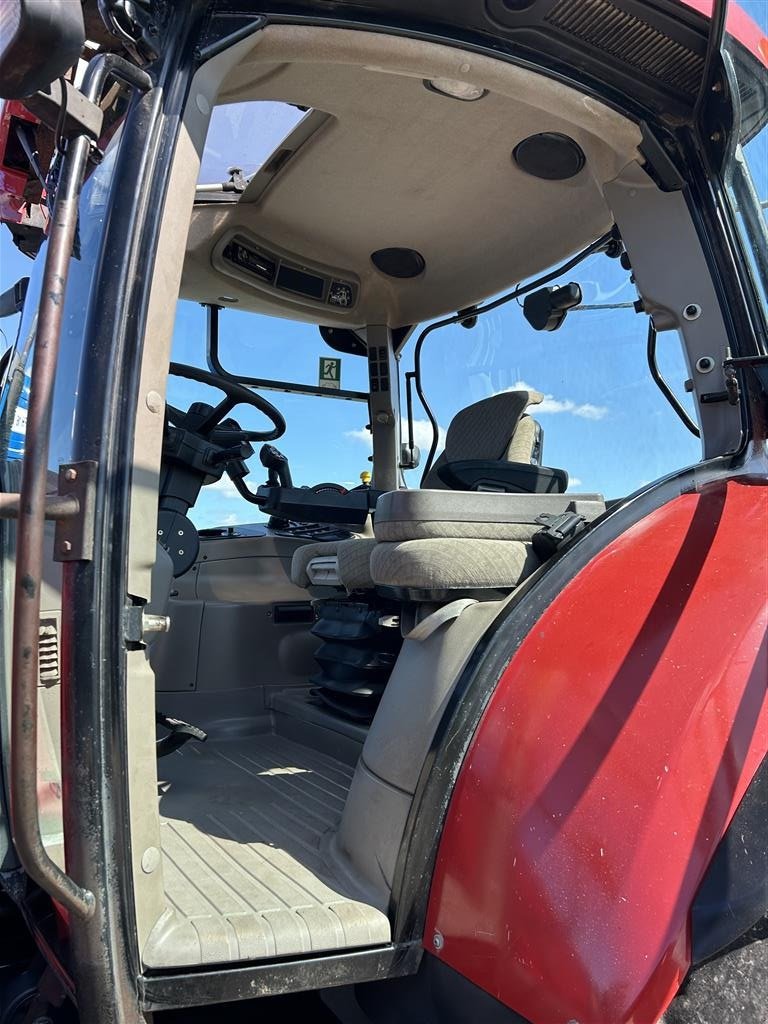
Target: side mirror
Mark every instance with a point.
(39, 41)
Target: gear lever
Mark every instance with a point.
(276, 464)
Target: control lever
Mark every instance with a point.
(240, 452)
(276, 464)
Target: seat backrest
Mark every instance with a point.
(494, 429)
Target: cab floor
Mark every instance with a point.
(246, 826)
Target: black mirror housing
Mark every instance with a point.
(39, 41)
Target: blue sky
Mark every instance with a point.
(604, 420)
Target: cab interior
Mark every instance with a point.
(317, 650)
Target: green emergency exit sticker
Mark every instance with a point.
(330, 373)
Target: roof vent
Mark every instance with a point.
(606, 26)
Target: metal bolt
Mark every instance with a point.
(151, 623)
(705, 364)
(692, 311)
(154, 401)
(438, 941)
(717, 87)
(70, 474)
(715, 137)
(150, 860)
(66, 546)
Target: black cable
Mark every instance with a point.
(665, 389)
(61, 119)
(522, 289)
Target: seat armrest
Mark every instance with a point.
(505, 477)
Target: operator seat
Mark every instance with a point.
(495, 429)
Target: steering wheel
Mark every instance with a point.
(236, 394)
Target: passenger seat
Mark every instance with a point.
(495, 429)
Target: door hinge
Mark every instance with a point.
(73, 541)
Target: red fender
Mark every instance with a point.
(610, 759)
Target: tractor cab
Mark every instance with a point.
(383, 471)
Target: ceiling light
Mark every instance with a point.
(456, 90)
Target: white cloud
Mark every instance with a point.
(223, 488)
(585, 410)
(361, 435)
(422, 435)
(573, 481)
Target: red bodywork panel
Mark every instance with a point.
(606, 767)
(738, 24)
(14, 172)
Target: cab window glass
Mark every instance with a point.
(243, 135)
(746, 177)
(326, 439)
(604, 419)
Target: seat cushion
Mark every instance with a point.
(353, 562)
(423, 515)
(435, 565)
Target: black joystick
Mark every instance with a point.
(276, 464)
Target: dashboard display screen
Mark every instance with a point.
(293, 280)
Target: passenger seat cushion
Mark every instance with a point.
(452, 564)
(434, 528)
(425, 514)
(354, 557)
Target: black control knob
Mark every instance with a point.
(276, 464)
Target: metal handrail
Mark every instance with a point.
(32, 503)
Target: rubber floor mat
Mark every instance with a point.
(245, 828)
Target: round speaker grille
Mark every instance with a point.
(549, 155)
(398, 262)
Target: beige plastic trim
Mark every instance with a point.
(149, 892)
(440, 180)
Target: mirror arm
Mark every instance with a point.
(81, 116)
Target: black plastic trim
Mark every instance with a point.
(436, 994)
(734, 893)
(163, 991)
(104, 951)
